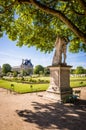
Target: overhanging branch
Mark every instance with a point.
(62, 17)
(55, 13)
(5, 8)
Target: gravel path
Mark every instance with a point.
(34, 112)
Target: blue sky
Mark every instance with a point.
(13, 55)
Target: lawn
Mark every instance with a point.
(23, 88)
(77, 82)
(34, 87)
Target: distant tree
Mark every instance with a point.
(84, 71)
(38, 69)
(79, 70)
(6, 68)
(9, 73)
(26, 72)
(29, 71)
(41, 72)
(23, 73)
(46, 71)
(15, 73)
(72, 71)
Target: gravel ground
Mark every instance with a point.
(35, 112)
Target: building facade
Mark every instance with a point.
(26, 66)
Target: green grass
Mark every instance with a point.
(23, 88)
(77, 82)
(78, 78)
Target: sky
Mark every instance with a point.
(13, 55)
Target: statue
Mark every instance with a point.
(60, 51)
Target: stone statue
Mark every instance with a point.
(60, 51)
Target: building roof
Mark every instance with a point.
(27, 62)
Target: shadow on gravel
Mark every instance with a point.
(54, 116)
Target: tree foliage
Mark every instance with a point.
(6, 68)
(15, 73)
(26, 72)
(80, 70)
(46, 71)
(38, 22)
(38, 69)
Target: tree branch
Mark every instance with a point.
(62, 17)
(7, 7)
(78, 12)
(55, 13)
(24, 1)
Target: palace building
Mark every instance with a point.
(26, 65)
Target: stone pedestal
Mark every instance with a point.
(59, 87)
